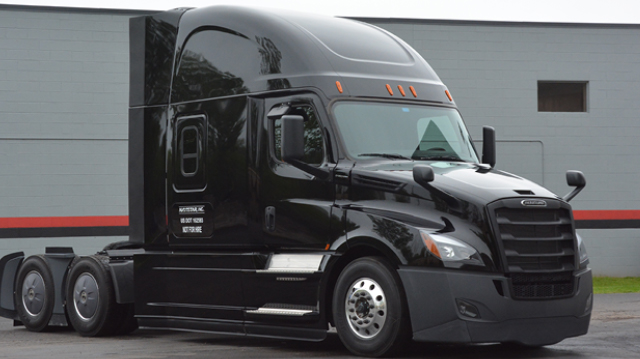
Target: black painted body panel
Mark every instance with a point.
(147, 215)
(151, 48)
(500, 317)
(458, 196)
(190, 285)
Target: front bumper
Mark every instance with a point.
(434, 297)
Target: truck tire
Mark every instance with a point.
(34, 295)
(369, 308)
(128, 322)
(91, 302)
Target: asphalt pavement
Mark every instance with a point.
(614, 333)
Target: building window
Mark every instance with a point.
(562, 96)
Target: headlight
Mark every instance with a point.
(582, 252)
(449, 250)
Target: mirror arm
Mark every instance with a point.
(568, 197)
(320, 173)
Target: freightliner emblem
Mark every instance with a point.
(534, 203)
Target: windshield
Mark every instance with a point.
(403, 131)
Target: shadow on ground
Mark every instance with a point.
(332, 346)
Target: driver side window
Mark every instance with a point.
(313, 140)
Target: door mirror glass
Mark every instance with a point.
(292, 142)
(489, 146)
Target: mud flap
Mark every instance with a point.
(9, 265)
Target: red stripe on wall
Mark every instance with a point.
(56, 222)
(123, 221)
(594, 215)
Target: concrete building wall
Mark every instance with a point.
(64, 93)
(64, 77)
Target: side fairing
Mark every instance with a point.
(152, 43)
(147, 215)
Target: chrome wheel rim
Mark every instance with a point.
(85, 296)
(366, 308)
(33, 293)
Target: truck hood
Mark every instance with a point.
(466, 181)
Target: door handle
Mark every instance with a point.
(270, 218)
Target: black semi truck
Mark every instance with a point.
(289, 173)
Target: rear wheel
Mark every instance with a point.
(128, 322)
(91, 303)
(369, 308)
(34, 294)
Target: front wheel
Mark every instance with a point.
(369, 308)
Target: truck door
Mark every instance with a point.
(296, 205)
(296, 222)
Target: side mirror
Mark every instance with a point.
(575, 179)
(423, 174)
(292, 145)
(489, 146)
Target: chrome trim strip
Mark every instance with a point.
(279, 311)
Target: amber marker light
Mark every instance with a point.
(339, 86)
(401, 91)
(413, 91)
(327, 247)
(390, 90)
(431, 245)
(448, 95)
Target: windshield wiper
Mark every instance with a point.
(439, 158)
(386, 155)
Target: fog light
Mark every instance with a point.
(587, 307)
(467, 309)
